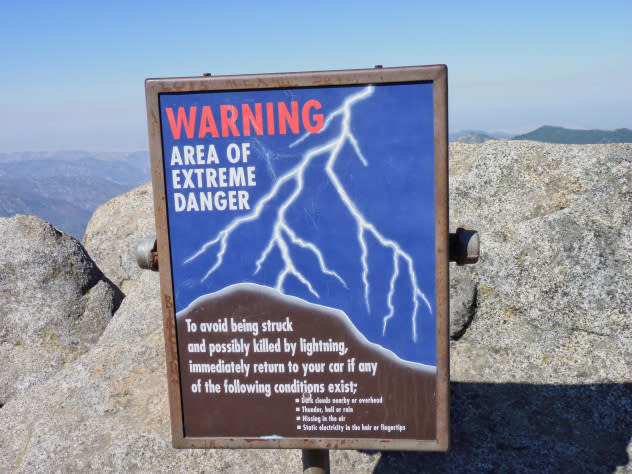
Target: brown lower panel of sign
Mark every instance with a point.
(257, 364)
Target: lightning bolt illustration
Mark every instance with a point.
(283, 236)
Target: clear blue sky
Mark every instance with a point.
(72, 72)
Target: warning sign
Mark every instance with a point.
(302, 232)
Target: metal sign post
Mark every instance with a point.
(302, 241)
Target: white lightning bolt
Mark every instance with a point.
(283, 234)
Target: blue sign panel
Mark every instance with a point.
(322, 194)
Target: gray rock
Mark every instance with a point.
(556, 261)
(54, 302)
(114, 231)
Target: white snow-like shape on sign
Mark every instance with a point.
(317, 309)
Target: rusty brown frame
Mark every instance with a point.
(436, 74)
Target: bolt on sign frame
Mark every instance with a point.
(302, 236)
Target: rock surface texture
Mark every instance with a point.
(541, 332)
(54, 302)
(114, 231)
(541, 349)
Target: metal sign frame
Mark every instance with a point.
(435, 75)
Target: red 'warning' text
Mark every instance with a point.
(256, 118)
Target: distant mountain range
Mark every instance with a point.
(473, 137)
(66, 187)
(550, 134)
(568, 136)
(478, 136)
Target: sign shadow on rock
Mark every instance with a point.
(529, 428)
